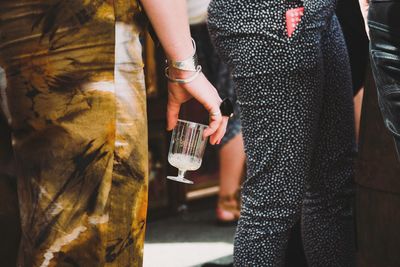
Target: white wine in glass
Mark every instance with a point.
(186, 149)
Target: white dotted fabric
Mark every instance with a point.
(295, 98)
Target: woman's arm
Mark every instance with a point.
(170, 22)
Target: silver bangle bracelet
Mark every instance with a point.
(189, 64)
(181, 81)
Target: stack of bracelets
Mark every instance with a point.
(191, 64)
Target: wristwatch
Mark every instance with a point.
(226, 108)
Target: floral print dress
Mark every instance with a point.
(73, 102)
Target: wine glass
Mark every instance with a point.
(186, 149)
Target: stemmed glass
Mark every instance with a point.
(186, 149)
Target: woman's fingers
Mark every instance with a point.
(173, 108)
(217, 128)
(215, 123)
(220, 132)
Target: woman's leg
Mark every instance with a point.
(327, 211)
(279, 113)
(232, 160)
(279, 143)
(357, 100)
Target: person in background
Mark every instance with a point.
(231, 153)
(350, 18)
(295, 95)
(73, 118)
(383, 27)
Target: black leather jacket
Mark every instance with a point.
(384, 24)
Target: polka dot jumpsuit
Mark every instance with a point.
(295, 97)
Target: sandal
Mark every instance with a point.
(228, 209)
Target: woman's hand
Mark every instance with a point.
(203, 91)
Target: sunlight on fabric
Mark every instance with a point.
(184, 254)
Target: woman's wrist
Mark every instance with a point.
(185, 70)
(187, 79)
(180, 51)
(179, 74)
(189, 63)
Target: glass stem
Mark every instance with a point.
(181, 173)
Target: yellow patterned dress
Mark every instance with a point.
(73, 119)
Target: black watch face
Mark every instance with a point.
(226, 108)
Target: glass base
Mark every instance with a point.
(180, 179)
